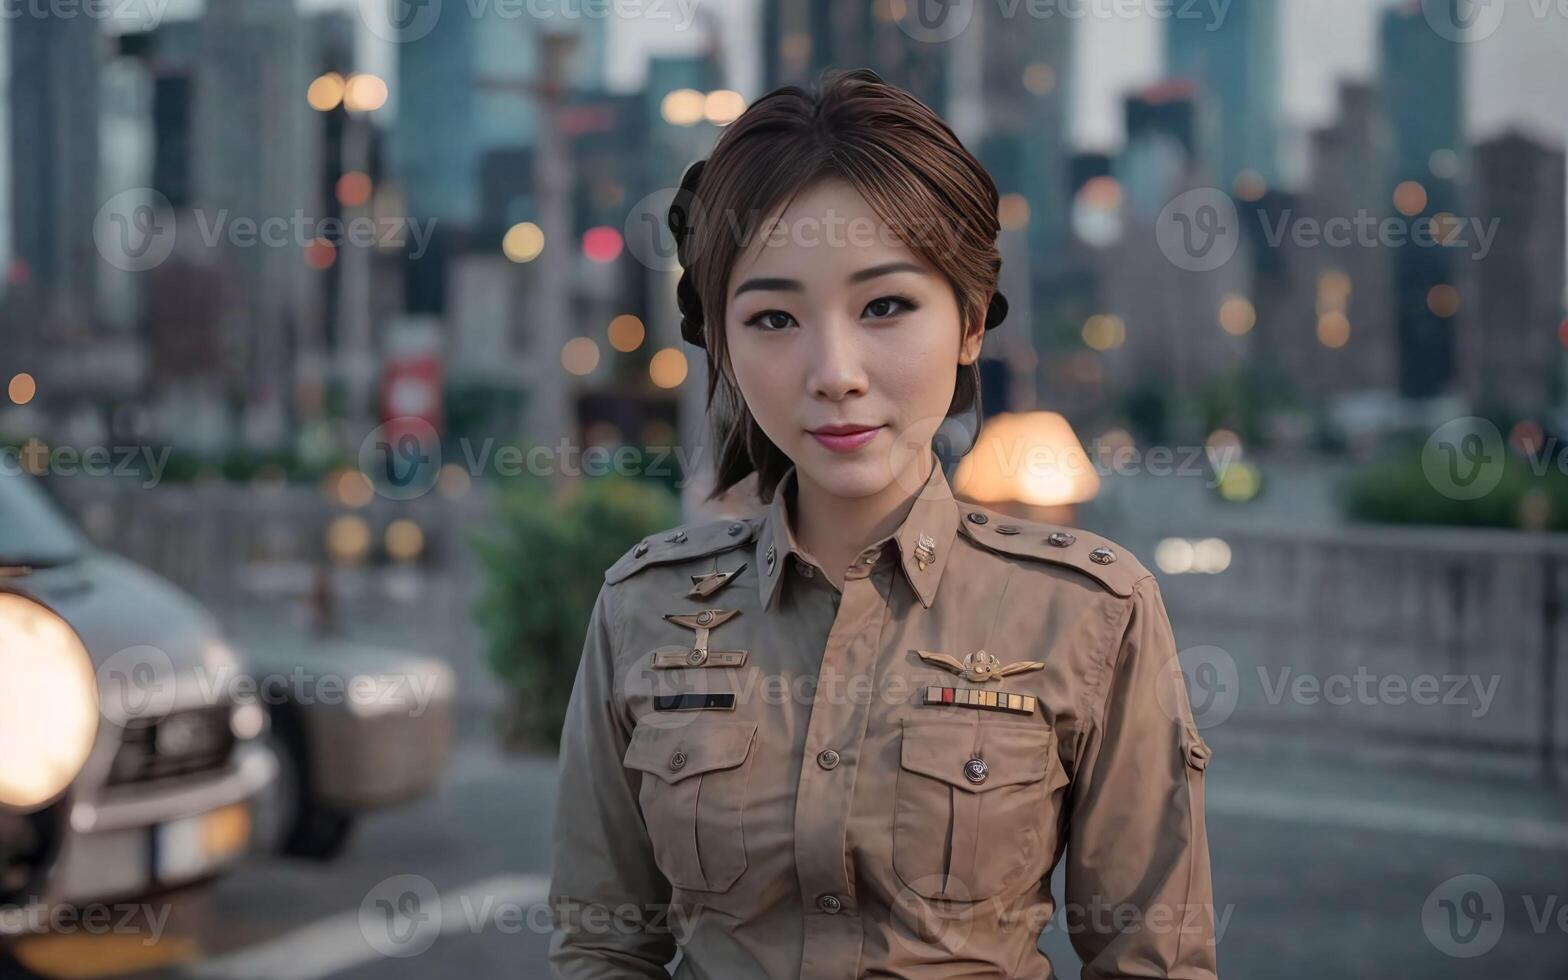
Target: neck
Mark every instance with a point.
(833, 529)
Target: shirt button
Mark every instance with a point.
(827, 758)
(804, 567)
(829, 904)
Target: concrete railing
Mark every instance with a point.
(1436, 638)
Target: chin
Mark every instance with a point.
(855, 475)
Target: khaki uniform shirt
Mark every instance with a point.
(784, 779)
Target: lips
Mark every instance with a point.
(845, 438)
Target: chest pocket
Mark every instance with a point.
(972, 812)
(694, 797)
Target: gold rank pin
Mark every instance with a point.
(703, 586)
(978, 666)
(704, 622)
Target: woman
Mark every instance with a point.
(853, 736)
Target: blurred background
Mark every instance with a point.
(340, 349)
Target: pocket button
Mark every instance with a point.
(975, 770)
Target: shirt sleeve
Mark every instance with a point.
(1139, 899)
(609, 903)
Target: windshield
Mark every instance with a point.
(33, 531)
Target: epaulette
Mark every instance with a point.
(680, 543)
(1099, 558)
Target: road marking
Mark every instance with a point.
(1401, 818)
(337, 943)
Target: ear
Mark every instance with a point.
(974, 336)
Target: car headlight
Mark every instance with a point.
(48, 703)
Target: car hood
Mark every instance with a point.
(138, 628)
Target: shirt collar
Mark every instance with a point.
(932, 521)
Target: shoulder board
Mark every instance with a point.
(1114, 567)
(680, 543)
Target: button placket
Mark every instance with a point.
(825, 794)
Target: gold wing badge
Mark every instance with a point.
(978, 666)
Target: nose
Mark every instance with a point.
(837, 364)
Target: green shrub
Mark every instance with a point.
(543, 563)
(1396, 491)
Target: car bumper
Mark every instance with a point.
(159, 838)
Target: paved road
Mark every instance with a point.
(1323, 868)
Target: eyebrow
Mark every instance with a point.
(795, 285)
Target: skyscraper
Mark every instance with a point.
(256, 157)
(1422, 85)
(54, 109)
(1235, 62)
(801, 38)
(463, 93)
(1511, 356)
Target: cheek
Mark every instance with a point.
(918, 366)
(767, 375)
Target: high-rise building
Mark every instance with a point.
(1234, 58)
(801, 38)
(1422, 85)
(1349, 160)
(257, 153)
(464, 92)
(56, 65)
(1511, 300)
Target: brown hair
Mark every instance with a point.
(898, 154)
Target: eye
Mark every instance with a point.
(770, 321)
(884, 307)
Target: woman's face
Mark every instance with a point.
(844, 342)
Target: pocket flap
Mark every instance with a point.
(943, 749)
(673, 752)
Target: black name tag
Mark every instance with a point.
(689, 702)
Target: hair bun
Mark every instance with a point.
(682, 207)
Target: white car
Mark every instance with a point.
(133, 756)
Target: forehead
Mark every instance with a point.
(828, 231)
